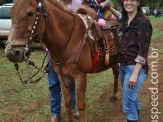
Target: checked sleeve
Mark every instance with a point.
(144, 38)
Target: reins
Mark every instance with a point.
(29, 62)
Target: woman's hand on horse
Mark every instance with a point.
(133, 80)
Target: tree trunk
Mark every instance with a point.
(159, 3)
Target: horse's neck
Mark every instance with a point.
(57, 29)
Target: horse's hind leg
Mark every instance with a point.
(115, 69)
(80, 87)
(67, 87)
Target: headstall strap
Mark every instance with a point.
(44, 9)
(32, 33)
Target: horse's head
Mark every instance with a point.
(28, 24)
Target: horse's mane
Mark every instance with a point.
(60, 5)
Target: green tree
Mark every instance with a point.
(155, 4)
(5, 1)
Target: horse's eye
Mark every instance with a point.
(30, 14)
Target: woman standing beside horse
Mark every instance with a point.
(136, 37)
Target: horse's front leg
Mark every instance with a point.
(67, 87)
(80, 88)
(115, 69)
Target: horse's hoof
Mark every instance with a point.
(113, 99)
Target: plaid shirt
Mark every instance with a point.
(135, 42)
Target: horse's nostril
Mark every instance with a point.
(17, 53)
(14, 55)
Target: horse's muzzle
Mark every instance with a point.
(14, 54)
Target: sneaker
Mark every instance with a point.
(75, 114)
(55, 118)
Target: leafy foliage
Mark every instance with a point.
(155, 3)
(5, 1)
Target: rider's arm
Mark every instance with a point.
(106, 3)
(116, 13)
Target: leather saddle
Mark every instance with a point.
(106, 38)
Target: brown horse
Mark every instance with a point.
(62, 32)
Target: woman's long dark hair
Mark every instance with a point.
(125, 16)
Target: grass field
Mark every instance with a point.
(30, 102)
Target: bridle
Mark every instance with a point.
(30, 38)
(32, 35)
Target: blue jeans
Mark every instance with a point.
(100, 15)
(130, 101)
(55, 91)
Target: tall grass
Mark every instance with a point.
(156, 31)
